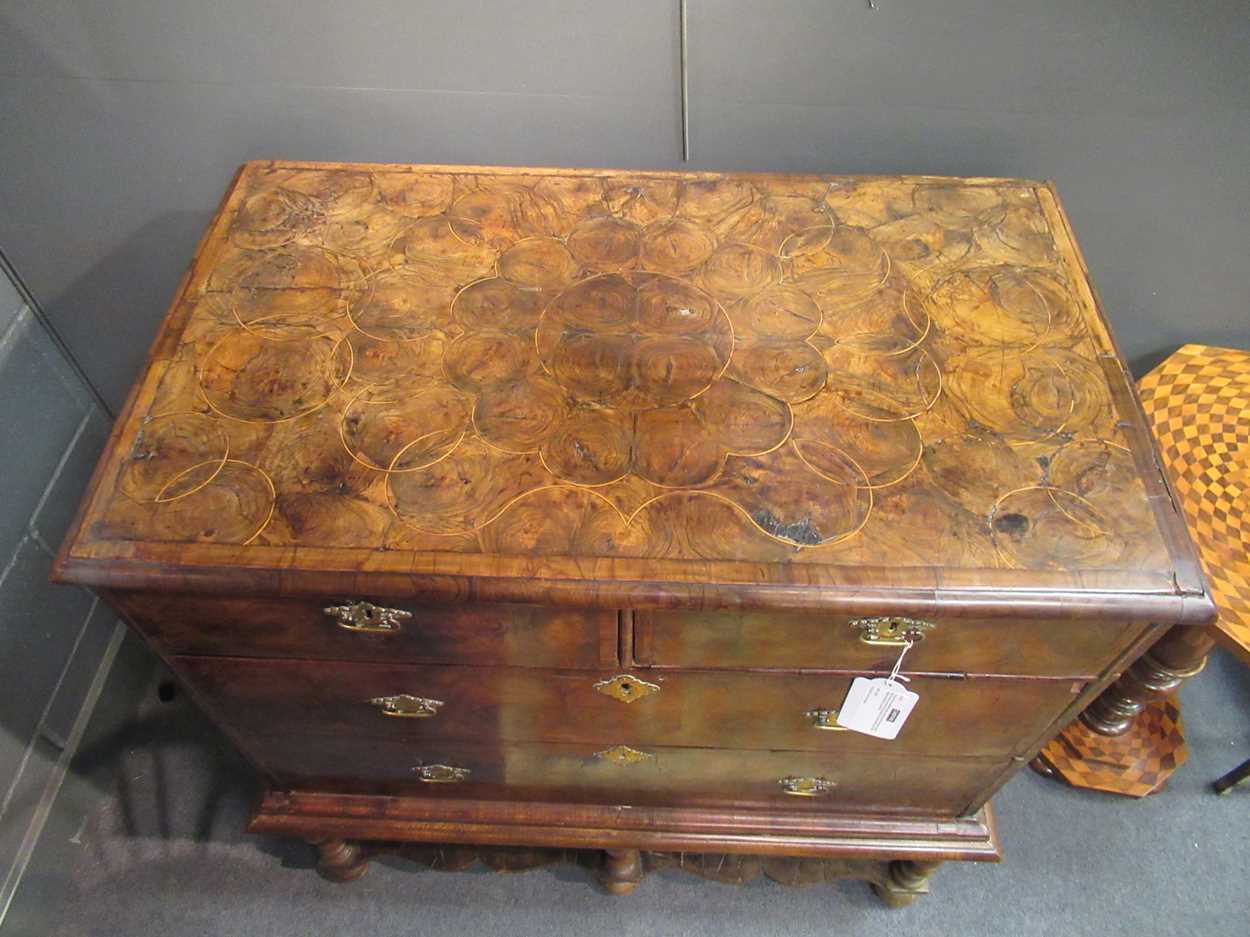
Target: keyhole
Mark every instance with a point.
(625, 687)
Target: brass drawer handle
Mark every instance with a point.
(405, 706)
(441, 774)
(826, 719)
(626, 688)
(623, 755)
(891, 630)
(365, 616)
(806, 787)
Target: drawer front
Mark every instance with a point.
(751, 711)
(655, 777)
(517, 635)
(1079, 650)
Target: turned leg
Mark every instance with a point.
(340, 860)
(905, 881)
(1233, 778)
(1178, 655)
(1129, 740)
(622, 870)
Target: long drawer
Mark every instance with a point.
(798, 641)
(662, 777)
(749, 711)
(517, 635)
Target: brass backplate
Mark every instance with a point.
(365, 616)
(891, 630)
(806, 787)
(624, 755)
(405, 706)
(626, 688)
(826, 719)
(441, 774)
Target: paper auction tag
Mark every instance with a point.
(877, 707)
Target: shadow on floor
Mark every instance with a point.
(148, 837)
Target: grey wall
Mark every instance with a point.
(55, 641)
(124, 120)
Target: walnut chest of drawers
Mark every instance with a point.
(559, 509)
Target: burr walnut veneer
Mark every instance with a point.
(558, 509)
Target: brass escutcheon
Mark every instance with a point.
(626, 688)
(441, 774)
(891, 630)
(826, 719)
(623, 755)
(405, 706)
(365, 616)
(806, 787)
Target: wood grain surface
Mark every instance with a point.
(517, 774)
(813, 642)
(481, 705)
(786, 832)
(630, 385)
(512, 635)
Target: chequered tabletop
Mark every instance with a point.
(1198, 402)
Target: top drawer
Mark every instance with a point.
(516, 635)
(795, 641)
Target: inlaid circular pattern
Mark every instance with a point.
(637, 340)
(714, 367)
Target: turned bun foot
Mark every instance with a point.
(340, 860)
(905, 881)
(621, 871)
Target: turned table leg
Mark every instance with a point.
(1233, 778)
(622, 870)
(905, 881)
(340, 860)
(1129, 740)
(1179, 655)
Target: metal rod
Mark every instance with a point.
(685, 84)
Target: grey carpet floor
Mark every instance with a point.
(146, 839)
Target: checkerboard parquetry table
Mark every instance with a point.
(1197, 402)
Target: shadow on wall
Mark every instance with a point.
(67, 161)
(1144, 364)
(136, 282)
